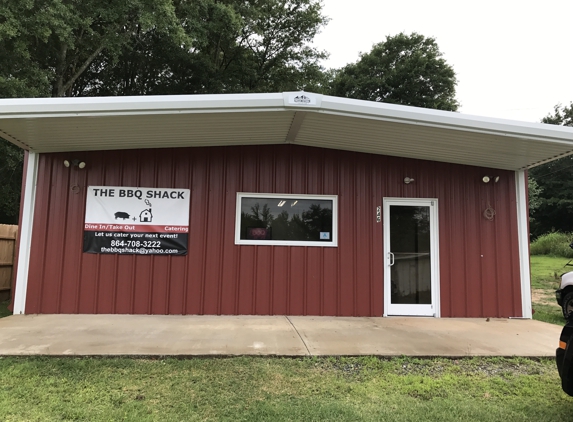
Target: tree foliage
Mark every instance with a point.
(404, 69)
(89, 47)
(555, 181)
(11, 181)
(563, 115)
(256, 46)
(52, 42)
(533, 196)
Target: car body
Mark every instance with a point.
(564, 294)
(564, 357)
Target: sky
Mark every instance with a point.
(513, 59)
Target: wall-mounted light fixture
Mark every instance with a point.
(487, 179)
(408, 180)
(75, 163)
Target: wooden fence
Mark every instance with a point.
(7, 255)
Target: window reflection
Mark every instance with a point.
(294, 219)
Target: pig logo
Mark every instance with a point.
(122, 215)
(145, 216)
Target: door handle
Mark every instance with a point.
(391, 256)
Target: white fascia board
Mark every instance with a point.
(29, 108)
(13, 140)
(112, 106)
(446, 119)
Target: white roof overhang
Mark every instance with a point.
(106, 123)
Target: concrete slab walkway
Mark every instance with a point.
(273, 335)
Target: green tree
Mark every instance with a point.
(11, 181)
(533, 195)
(404, 69)
(563, 115)
(554, 210)
(256, 46)
(48, 44)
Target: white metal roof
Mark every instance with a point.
(106, 123)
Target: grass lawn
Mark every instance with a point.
(545, 279)
(276, 389)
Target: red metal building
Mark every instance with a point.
(297, 204)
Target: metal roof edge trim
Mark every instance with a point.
(227, 103)
(144, 113)
(548, 160)
(104, 106)
(445, 119)
(15, 141)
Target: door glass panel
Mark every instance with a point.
(410, 244)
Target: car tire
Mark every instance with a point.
(567, 306)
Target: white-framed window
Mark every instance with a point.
(286, 219)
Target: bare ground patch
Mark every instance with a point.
(543, 297)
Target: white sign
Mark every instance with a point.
(130, 220)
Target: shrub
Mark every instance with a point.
(554, 243)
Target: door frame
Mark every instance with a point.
(434, 254)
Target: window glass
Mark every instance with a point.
(287, 219)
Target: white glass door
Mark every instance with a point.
(411, 257)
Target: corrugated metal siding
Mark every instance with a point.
(478, 258)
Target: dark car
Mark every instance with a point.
(564, 357)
